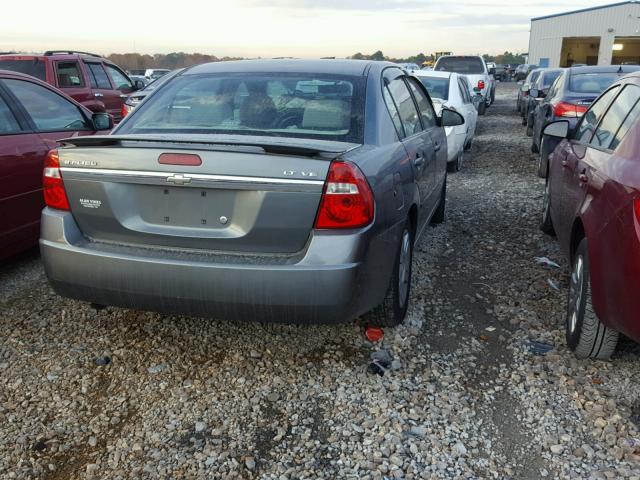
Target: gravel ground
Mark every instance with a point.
(481, 386)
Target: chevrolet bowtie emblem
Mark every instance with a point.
(179, 179)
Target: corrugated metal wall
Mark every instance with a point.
(545, 39)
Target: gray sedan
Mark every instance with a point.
(281, 190)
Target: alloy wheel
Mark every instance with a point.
(404, 266)
(576, 288)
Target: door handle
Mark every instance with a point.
(98, 94)
(419, 161)
(583, 178)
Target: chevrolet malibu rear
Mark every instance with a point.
(237, 191)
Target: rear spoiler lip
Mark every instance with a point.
(297, 147)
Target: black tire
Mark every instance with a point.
(546, 225)
(529, 129)
(467, 147)
(393, 309)
(439, 214)
(493, 96)
(534, 147)
(482, 108)
(586, 335)
(456, 164)
(518, 106)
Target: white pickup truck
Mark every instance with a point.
(475, 69)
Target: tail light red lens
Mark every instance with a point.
(52, 184)
(481, 84)
(347, 200)
(124, 110)
(565, 109)
(636, 209)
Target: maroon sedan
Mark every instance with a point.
(592, 203)
(33, 116)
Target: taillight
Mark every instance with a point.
(124, 110)
(636, 209)
(52, 184)
(347, 200)
(566, 109)
(481, 84)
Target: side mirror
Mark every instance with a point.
(450, 118)
(559, 129)
(102, 121)
(525, 87)
(492, 71)
(535, 93)
(138, 84)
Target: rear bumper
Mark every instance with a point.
(330, 282)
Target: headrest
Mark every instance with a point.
(327, 115)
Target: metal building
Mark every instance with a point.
(605, 35)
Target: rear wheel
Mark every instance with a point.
(546, 225)
(482, 108)
(393, 309)
(534, 146)
(586, 335)
(456, 165)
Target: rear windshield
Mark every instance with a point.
(438, 87)
(465, 65)
(549, 78)
(282, 105)
(33, 67)
(533, 76)
(591, 82)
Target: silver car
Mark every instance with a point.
(279, 190)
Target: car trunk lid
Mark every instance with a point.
(232, 194)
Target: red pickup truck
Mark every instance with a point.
(89, 79)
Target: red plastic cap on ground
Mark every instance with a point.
(374, 334)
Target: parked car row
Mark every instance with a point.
(587, 134)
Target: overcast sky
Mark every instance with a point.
(301, 28)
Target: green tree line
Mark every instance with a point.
(420, 58)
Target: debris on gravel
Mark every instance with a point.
(478, 383)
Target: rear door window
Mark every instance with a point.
(406, 106)
(393, 111)
(120, 80)
(8, 122)
(427, 113)
(49, 111)
(464, 91)
(69, 74)
(592, 117)
(98, 76)
(615, 117)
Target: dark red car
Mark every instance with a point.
(89, 79)
(592, 203)
(33, 116)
